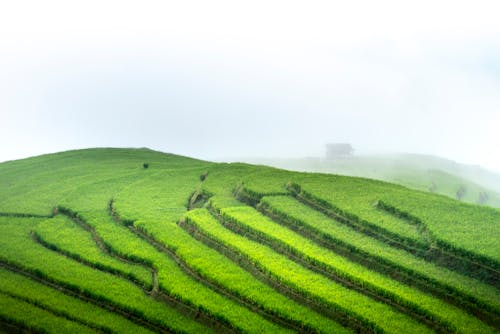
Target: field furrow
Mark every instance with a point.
(100, 302)
(213, 297)
(29, 317)
(470, 294)
(424, 245)
(315, 286)
(189, 225)
(447, 255)
(18, 251)
(114, 267)
(436, 313)
(190, 246)
(70, 307)
(216, 272)
(76, 239)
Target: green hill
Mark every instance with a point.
(466, 183)
(138, 241)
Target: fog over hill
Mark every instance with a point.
(119, 213)
(423, 172)
(263, 78)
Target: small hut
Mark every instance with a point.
(338, 150)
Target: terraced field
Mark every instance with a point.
(133, 240)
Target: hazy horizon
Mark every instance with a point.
(223, 79)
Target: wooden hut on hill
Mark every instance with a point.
(338, 150)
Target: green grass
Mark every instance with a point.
(71, 263)
(451, 222)
(153, 197)
(43, 296)
(331, 230)
(68, 237)
(18, 248)
(420, 172)
(309, 283)
(324, 259)
(37, 319)
(446, 219)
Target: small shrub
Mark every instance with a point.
(461, 192)
(145, 165)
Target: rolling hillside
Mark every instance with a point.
(466, 183)
(138, 241)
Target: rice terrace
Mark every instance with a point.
(139, 241)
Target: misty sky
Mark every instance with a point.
(215, 79)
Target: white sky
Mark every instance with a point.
(256, 78)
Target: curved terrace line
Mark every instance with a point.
(183, 266)
(58, 313)
(345, 319)
(74, 292)
(386, 267)
(488, 273)
(200, 198)
(343, 278)
(436, 254)
(198, 315)
(104, 248)
(9, 325)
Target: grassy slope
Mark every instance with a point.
(415, 171)
(154, 199)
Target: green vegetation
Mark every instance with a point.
(373, 252)
(65, 306)
(209, 266)
(64, 235)
(316, 287)
(133, 240)
(347, 272)
(30, 317)
(337, 195)
(19, 252)
(470, 184)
